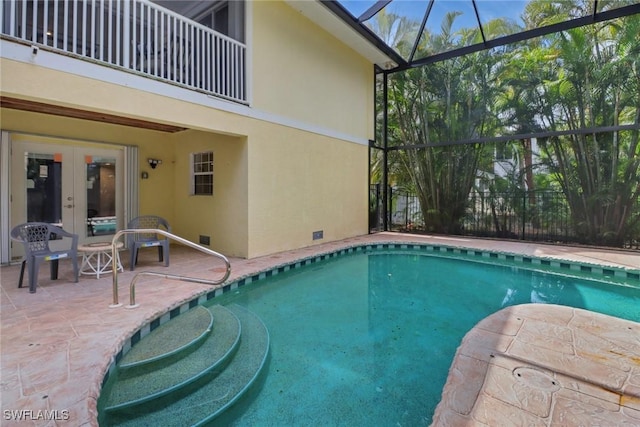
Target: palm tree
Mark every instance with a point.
(578, 79)
(442, 103)
(596, 86)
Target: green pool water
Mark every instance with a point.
(367, 339)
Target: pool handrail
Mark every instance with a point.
(132, 292)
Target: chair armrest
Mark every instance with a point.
(60, 232)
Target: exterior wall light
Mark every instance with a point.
(154, 162)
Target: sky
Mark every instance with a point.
(415, 9)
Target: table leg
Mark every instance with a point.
(98, 261)
(99, 268)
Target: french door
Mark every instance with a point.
(79, 188)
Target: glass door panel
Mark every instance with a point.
(44, 188)
(101, 185)
(100, 188)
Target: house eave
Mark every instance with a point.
(329, 21)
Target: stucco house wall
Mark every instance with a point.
(293, 162)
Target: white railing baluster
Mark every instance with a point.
(217, 72)
(139, 29)
(146, 46)
(74, 22)
(155, 43)
(163, 42)
(171, 73)
(23, 30)
(142, 42)
(126, 34)
(185, 51)
(229, 69)
(232, 71)
(119, 32)
(243, 71)
(181, 51)
(173, 49)
(192, 54)
(196, 63)
(110, 33)
(134, 38)
(225, 69)
(210, 62)
(134, 34)
(92, 39)
(45, 23)
(240, 62)
(234, 82)
(215, 64)
(236, 61)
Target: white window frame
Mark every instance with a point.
(201, 164)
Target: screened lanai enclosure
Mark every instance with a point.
(508, 119)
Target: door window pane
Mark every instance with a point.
(44, 188)
(101, 195)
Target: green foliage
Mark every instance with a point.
(582, 78)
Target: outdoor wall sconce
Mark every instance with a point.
(154, 162)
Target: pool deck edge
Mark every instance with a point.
(544, 365)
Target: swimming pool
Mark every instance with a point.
(367, 338)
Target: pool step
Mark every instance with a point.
(164, 342)
(183, 392)
(140, 383)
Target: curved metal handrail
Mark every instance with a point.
(132, 291)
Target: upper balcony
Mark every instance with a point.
(198, 44)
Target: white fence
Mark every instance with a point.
(135, 35)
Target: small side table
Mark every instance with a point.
(97, 259)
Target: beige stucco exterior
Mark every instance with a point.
(291, 163)
(302, 72)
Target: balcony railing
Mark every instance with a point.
(135, 35)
